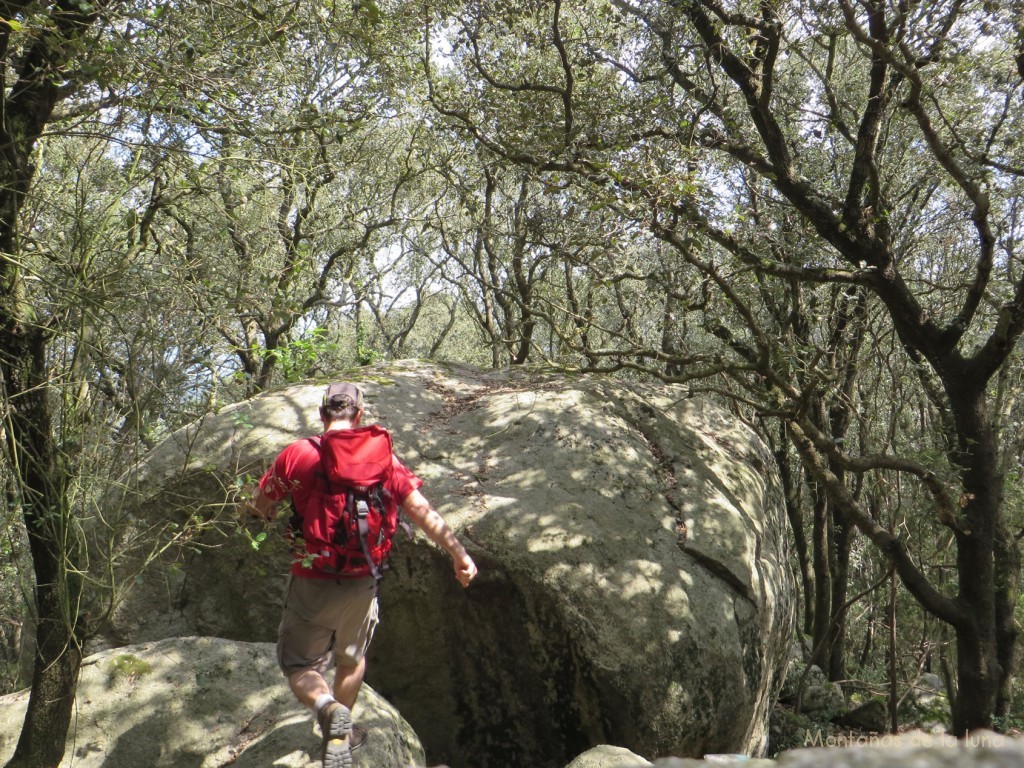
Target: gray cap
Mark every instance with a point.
(343, 395)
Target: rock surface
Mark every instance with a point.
(202, 703)
(914, 749)
(607, 756)
(634, 585)
(212, 703)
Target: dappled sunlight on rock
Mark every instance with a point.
(203, 702)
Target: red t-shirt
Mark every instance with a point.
(294, 473)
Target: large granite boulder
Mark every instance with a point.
(634, 590)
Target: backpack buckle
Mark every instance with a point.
(362, 509)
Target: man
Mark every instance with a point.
(329, 613)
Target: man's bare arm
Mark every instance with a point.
(431, 523)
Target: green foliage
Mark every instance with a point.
(299, 358)
(1011, 723)
(126, 666)
(365, 354)
(255, 540)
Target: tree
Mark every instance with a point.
(294, 155)
(799, 158)
(37, 59)
(488, 246)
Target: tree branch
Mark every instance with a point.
(933, 601)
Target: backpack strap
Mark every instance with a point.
(295, 521)
(360, 508)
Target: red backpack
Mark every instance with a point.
(350, 521)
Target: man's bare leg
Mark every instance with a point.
(347, 682)
(308, 685)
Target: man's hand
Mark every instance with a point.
(259, 505)
(465, 568)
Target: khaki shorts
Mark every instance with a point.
(325, 620)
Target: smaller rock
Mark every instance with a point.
(826, 700)
(608, 756)
(714, 761)
(927, 706)
(929, 681)
(795, 677)
(872, 715)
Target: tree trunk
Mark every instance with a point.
(1007, 559)
(842, 540)
(985, 640)
(869, 639)
(790, 481)
(55, 546)
(58, 658)
(894, 699)
(821, 559)
(41, 480)
(979, 673)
